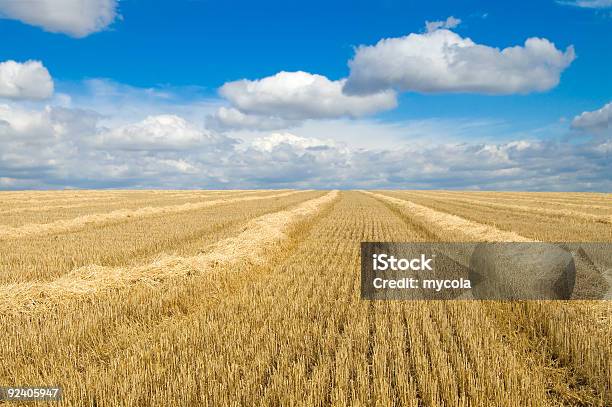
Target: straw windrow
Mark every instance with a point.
(68, 225)
(249, 246)
(448, 222)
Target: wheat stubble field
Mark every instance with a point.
(252, 298)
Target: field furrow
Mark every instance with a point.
(255, 300)
(33, 198)
(67, 225)
(109, 323)
(534, 226)
(294, 327)
(136, 240)
(602, 217)
(583, 327)
(559, 197)
(444, 222)
(21, 216)
(248, 246)
(529, 200)
(568, 341)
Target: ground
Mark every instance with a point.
(252, 298)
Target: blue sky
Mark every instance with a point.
(168, 62)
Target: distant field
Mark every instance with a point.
(252, 298)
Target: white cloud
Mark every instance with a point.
(301, 95)
(58, 147)
(286, 160)
(36, 144)
(588, 3)
(450, 22)
(442, 61)
(49, 124)
(278, 140)
(182, 166)
(28, 80)
(55, 147)
(77, 18)
(230, 118)
(23, 123)
(376, 134)
(598, 120)
(162, 132)
(121, 104)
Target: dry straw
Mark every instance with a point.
(448, 222)
(66, 225)
(249, 246)
(544, 211)
(285, 326)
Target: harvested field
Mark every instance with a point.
(252, 298)
(534, 225)
(78, 222)
(132, 239)
(43, 213)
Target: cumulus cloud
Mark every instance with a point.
(516, 165)
(57, 147)
(121, 104)
(443, 61)
(598, 120)
(230, 118)
(28, 80)
(77, 18)
(50, 124)
(588, 3)
(276, 141)
(20, 123)
(285, 160)
(436, 61)
(450, 22)
(37, 144)
(162, 132)
(302, 95)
